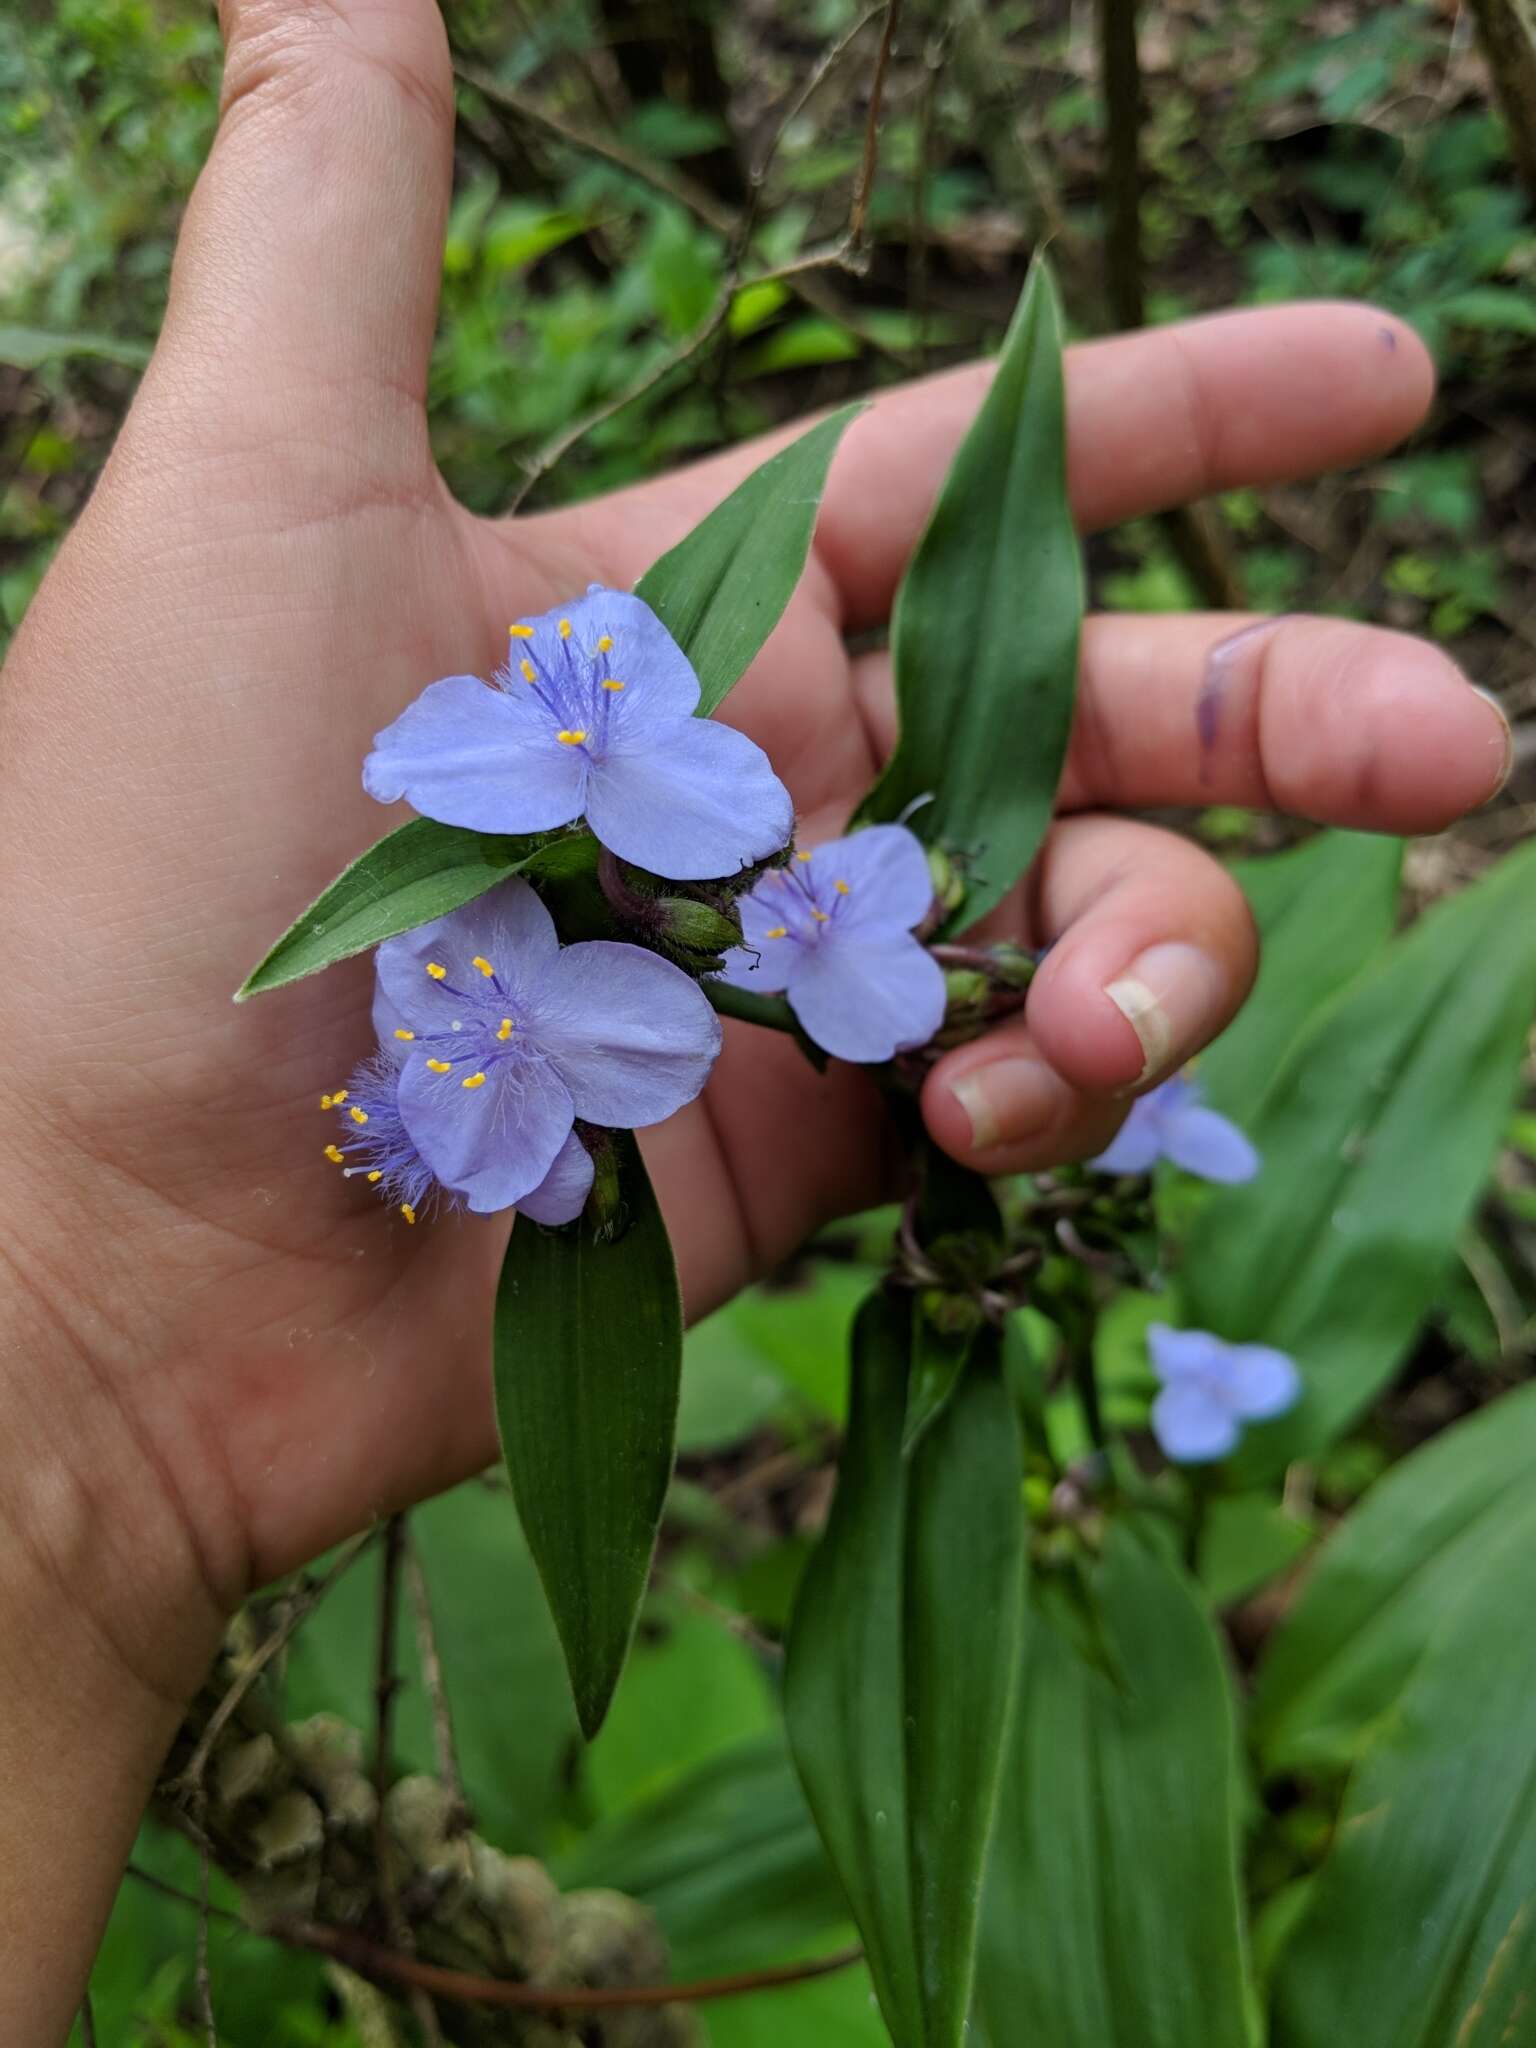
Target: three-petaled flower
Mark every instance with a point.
(591, 716)
(498, 1038)
(1172, 1122)
(833, 933)
(1211, 1388)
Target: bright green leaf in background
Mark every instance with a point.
(900, 1667)
(588, 1346)
(28, 348)
(1111, 1916)
(984, 635)
(721, 592)
(1376, 1137)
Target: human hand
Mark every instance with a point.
(271, 568)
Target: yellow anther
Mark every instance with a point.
(565, 629)
(521, 632)
(605, 643)
(820, 916)
(610, 684)
(327, 1102)
(780, 931)
(338, 1098)
(506, 1029)
(527, 668)
(802, 856)
(573, 738)
(334, 1154)
(407, 1212)
(358, 1116)
(841, 888)
(376, 1176)
(401, 1032)
(440, 1066)
(483, 964)
(437, 973)
(473, 1081)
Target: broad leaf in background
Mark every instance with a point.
(28, 348)
(1419, 1931)
(1376, 1138)
(984, 635)
(588, 1353)
(1324, 910)
(419, 871)
(1406, 1560)
(900, 1667)
(721, 592)
(1111, 1917)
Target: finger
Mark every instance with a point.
(304, 291)
(1321, 718)
(1152, 950)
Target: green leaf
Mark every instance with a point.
(1376, 1137)
(418, 872)
(985, 630)
(1111, 1916)
(1419, 1931)
(588, 1353)
(1406, 1560)
(28, 348)
(900, 1666)
(721, 591)
(1324, 910)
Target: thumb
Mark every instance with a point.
(304, 291)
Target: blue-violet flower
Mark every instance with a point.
(1211, 1388)
(833, 933)
(1172, 1122)
(589, 717)
(500, 1038)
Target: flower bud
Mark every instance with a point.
(948, 882)
(965, 988)
(695, 933)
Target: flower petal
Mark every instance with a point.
(1184, 1354)
(1210, 1145)
(864, 997)
(467, 754)
(1191, 1427)
(1136, 1146)
(1260, 1381)
(493, 1144)
(561, 1195)
(763, 964)
(657, 676)
(885, 873)
(688, 799)
(632, 1036)
(508, 926)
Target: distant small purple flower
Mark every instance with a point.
(833, 932)
(504, 1038)
(1172, 1122)
(1211, 1388)
(589, 717)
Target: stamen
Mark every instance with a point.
(376, 1176)
(338, 1098)
(820, 916)
(327, 1102)
(565, 629)
(521, 632)
(573, 738)
(358, 1116)
(334, 1154)
(473, 1081)
(780, 931)
(528, 670)
(802, 856)
(506, 1029)
(401, 1032)
(610, 684)
(440, 1066)
(841, 888)
(483, 964)
(407, 1212)
(605, 643)
(437, 973)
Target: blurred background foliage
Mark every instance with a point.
(605, 167)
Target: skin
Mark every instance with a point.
(215, 1357)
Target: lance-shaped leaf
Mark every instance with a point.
(984, 635)
(1111, 1916)
(1376, 1137)
(900, 1669)
(1420, 1931)
(420, 871)
(588, 1354)
(721, 591)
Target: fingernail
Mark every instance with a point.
(1011, 1101)
(1507, 759)
(1171, 996)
